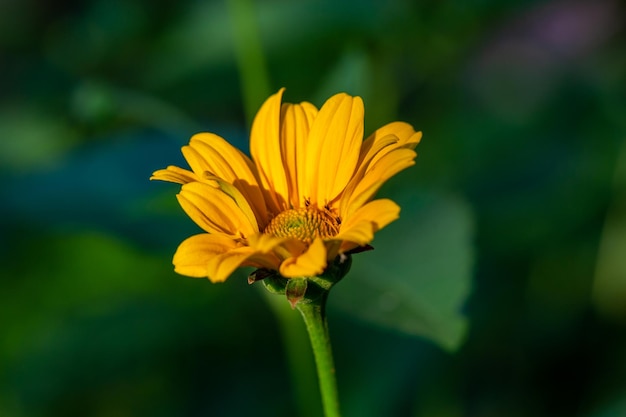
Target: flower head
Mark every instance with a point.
(304, 198)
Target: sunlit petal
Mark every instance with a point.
(375, 146)
(265, 148)
(367, 220)
(403, 131)
(175, 174)
(194, 253)
(296, 120)
(333, 148)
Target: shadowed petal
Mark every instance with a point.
(243, 203)
(210, 155)
(310, 263)
(265, 243)
(222, 266)
(214, 210)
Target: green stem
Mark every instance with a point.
(314, 315)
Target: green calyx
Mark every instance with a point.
(306, 289)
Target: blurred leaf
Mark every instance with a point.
(417, 278)
(351, 74)
(105, 186)
(97, 325)
(609, 289)
(103, 32)
(32, 138)
(616, 407)
(95, 102)
(204, 31)
(377, 369)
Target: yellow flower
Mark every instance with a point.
(304, 198)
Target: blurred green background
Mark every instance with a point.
(501, 291)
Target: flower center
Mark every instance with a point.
(303, 224)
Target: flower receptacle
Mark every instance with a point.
(305, 289)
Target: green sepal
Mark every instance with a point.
(305, 289)
(295, 290)
(275, 284)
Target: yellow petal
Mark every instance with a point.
(295, 123)
(413, 140)
(222, 266)
(265, 243)
(209, 153)
(375, 176)
(263, 260)
(216, 257)
(372, 149)
(214, 211)
(283, 247)
(403, 131)
(310, 263)
(194, 253)
(332, 249)
(234, 193)
(367, 220)
(265, 148)
(333, 148)
(175, 174)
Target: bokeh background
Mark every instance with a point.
(501, 291)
